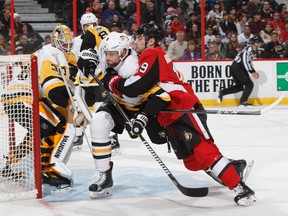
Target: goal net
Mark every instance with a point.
(20, 173)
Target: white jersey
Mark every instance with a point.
(46, 54)
(127, 68)
(77, 45)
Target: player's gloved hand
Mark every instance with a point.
(88, 61)
(128, 126)
(138, 125)
(113, 84)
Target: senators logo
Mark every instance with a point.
(188, 135)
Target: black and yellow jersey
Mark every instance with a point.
(93, 37)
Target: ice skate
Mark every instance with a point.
(103, 186)
(220, 97)
(78, 142)
(53, 183)
(244, 195)
(115, 145)
(241, 166)
(245, 104)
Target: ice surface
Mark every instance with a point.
(142, 188)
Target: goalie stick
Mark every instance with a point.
(231, 112)
(192, 192)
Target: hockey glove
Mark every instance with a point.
(113, 84)
(138, 125)
(88, 61)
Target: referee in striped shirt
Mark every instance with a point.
(240, 69)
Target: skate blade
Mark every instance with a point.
(218, 100)
(248, 169)
(247, 201)
(49, 189)
(77, 148)
(101, 194)
(116, 152)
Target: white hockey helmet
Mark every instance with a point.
(116, 42)
(88, 18)
(62, 38)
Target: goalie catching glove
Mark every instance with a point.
(88, 61)
(136, 126)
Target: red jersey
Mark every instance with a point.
(156, 68)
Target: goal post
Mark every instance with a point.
(20, 167)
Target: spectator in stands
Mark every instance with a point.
(192, 20)
(17, 24)
(272, 49)
(47, 40)
(132, 20)
(213, 53)
(246, 9)
(276, 22)
(164, 5)
(82, 5)
(266, 12)
(220, 44)
(191, 53)
(169, 14)
(211, 21)
(109, 12)
(256, 25)
(241, 23)
(169, 36)
(227, 37)
(265, 34)
(285, 50)
(233, 14)
(19, 50)
(4, 48)
(190, 6)
(246, 35)
(133, 29)
(222, 5)
(274, 5)
(131, 8)
(194, 33)
(150, 14)
(226, 24)
(284, 34)
(209, 37)
(95, 8)
(230, 50)
(27, 46)
(2, 2)
(5, 20)
(182, 15)
(176, 25)
(216, 11)
(282, 9)
(177, 47)
(115, 22)
(36, 41)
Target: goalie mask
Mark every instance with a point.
(62, 38)
(115, 42)
(86, 20)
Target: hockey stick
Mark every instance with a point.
(193, 192)
(231, 112)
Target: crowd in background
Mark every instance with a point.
(228, 25)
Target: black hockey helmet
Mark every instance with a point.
(254, 39)
(151, 30)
